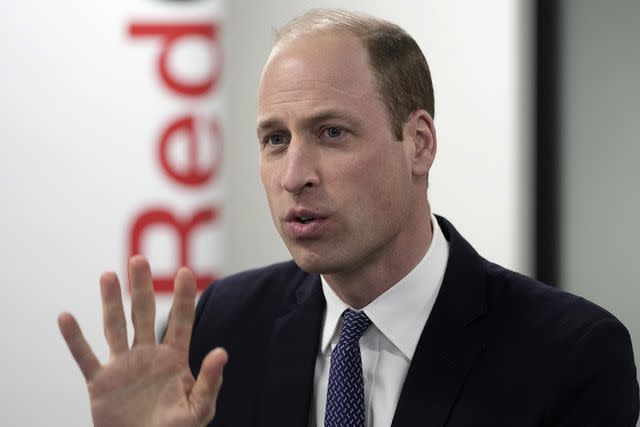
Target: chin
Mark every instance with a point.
(308, 265)
(314, 263)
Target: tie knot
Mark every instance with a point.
(354, 325)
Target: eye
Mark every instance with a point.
(276, 139)
(333, 132)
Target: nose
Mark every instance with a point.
(300, 169)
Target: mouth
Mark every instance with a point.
(305, 219)
(302, 223)
(302, 216)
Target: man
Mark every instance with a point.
(386, 316)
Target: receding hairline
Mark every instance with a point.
(331, 21)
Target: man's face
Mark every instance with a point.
(341, 190)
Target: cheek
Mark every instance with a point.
(378, 172)
(363, 183)
(364, 165)
(376, 188)
(267, 176)
(269, 179)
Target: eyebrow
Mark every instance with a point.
(321, 116)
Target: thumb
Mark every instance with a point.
(205, 391)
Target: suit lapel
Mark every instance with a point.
(291, 357)
(451, 341)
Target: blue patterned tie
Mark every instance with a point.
(345, 394)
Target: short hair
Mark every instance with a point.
(397, 63)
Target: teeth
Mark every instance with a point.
(305, 219)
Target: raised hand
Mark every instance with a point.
(148, 384)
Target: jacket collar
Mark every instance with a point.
(451, 341)
(290, 359)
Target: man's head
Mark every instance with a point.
(402, 75)
(347, 191)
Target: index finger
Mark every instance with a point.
(78, 346)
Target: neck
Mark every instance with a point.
(360, 286)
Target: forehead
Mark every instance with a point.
(316, 72)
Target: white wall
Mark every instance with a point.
(69, 173)
(80, 113)
(601, 199)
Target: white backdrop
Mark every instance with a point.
(87, 179)
(82, 113)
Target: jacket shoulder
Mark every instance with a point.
(529, 301)
(252, 290)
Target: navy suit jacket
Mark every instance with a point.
(499, 349)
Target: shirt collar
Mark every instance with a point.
(402, 311)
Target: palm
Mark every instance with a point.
(147, 384)
(160, 388)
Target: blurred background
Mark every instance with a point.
(130, 127)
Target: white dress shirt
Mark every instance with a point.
(398, 317)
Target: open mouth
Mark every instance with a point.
(305, 219)
(304, 224)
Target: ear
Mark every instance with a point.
(421, 132)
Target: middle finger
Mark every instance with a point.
(143, 305)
